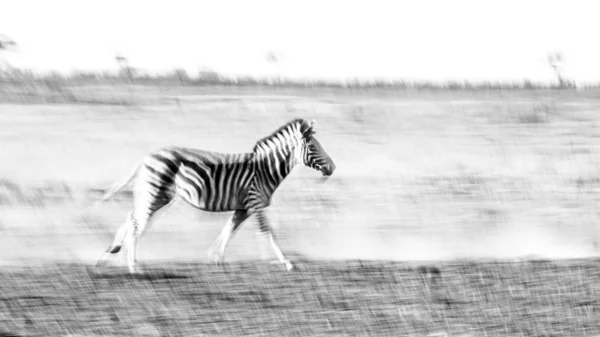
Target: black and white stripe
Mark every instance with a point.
(219, 182)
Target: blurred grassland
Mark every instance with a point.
(349, 298)
(421, 176)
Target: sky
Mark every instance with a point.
(418, 40)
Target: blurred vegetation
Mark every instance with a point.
(131, 86)
(208, 77)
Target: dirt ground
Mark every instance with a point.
(430, 179)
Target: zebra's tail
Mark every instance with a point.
(119, 185)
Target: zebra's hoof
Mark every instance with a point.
(100, 264)
(218, 260)
(289, 266)
(216, 257)
(136, 272)
(212, 252)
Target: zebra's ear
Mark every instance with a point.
(311, 128)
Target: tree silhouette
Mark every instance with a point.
(182, 75)
(6, 44)
(555, 61)
(126, 69)
(274, 59)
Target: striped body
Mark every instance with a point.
(210, 181)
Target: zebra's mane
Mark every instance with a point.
(304, 125)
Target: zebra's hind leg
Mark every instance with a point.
(117, 244)
(265, 229)
(217, 250)
(139, 225)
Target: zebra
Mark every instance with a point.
(217, 182)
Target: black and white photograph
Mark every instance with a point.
(299, 168)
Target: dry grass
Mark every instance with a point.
(538, 298)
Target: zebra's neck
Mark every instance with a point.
(274, 164)
(276, 155)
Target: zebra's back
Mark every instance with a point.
(210, 181)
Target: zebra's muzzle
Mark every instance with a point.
(328, 169)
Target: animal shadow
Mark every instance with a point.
(150, 275)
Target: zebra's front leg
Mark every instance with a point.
(218, 248)
(265, 229)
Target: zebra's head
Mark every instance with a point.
(313, 154)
